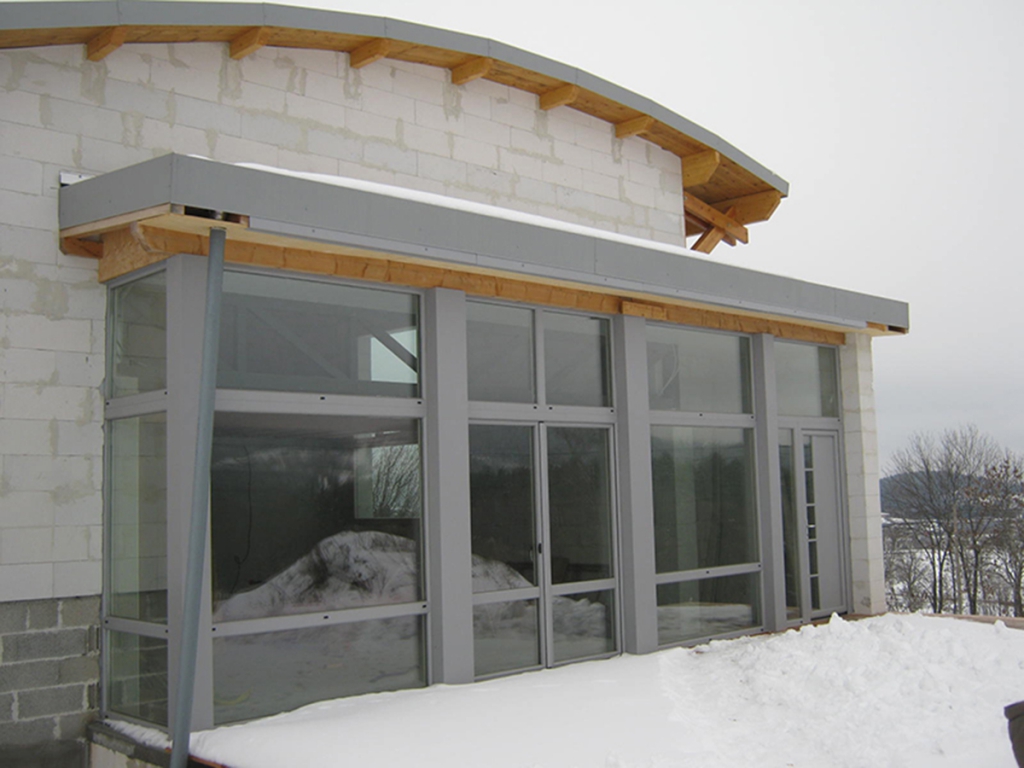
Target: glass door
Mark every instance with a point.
(544, 576)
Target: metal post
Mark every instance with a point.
(200, 504)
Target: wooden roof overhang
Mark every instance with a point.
(143, 214)
(723, 189)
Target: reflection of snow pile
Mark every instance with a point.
(680, 622)
(346, 570)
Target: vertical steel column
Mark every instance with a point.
(190, 620)
(636, 498)
(449, 554)
(769, 483)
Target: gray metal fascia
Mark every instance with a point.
(46, 15)
(282, 204)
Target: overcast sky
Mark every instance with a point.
(898, 124)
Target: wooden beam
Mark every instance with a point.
(470, 70)
(561, 96)
(106, 42)
(74, 246)
(698, 169)
(114, 222)
(365, 54)
(757, 207)
(250, 41)
(633, 127)
(700, 210)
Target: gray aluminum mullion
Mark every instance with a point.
(319, 619)
(506, 595)
(637, 598)
(135, 627)
(577, 587)
(444, 382)
(678, 577)
(135, 405)
(257, 401)
(821, 423)
(686, 419)
(768, 481)
(542, 523)
(577, 414)
(803, 553)
(509, 412)
(539, 366)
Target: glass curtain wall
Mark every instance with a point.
(135, 551)
(707, 556)
(544, 567)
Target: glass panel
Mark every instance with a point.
(500, 353)
(805, 378)
(259, 675)
(577, 368)
(501, 493)
(708, 607)
(136, 676)
(302, 336)
(506, 637)
(704, 508)
(138, 518)
(138, 353)
(790, 525)
(580, 504)
(815, 594)
(313, 513)
(583, 625)
(697, 371)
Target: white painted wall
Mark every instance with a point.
(391, 122)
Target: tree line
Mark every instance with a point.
(953, 525)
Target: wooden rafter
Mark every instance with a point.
(699, 168)
(366, 54)
(713, 218)
(470, 70)
(105, 43)
(713, 236)
(250, 41)
(750, 208)
(633, 127)
(562, 96)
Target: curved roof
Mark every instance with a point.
(724, 187)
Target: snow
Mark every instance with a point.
(906, 691)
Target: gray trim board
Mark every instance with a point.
(288, 205)
(63, 15)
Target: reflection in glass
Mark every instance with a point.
(806, 380)
(696, 609)
(137, 552)
(138, 350)
(136, 676)
(704, 508)
(583, 625)
(301, 336)
(697, 371)
(501, 506)
(790, 524)
(506, 637)
(500, 353)
(580, 504)
(576, 360)
(262, 674)
(313, 513)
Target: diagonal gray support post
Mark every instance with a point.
(182, 722)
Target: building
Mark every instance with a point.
(484, 402)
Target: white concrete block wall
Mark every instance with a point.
(862, 474)
(392, 122)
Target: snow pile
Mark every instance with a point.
(904, 692)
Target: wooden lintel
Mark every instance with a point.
(106, 42)
(699, 168)
(561, 96)
(713, 218)
(757, 207)
(470, 70)
(367, 53)
(250, 41)
(114, 222)
(633, 127)
(74, 246)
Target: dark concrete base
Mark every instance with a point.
(54, 754)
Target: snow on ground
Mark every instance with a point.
(899, 691)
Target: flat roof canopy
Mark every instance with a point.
(724, 189)
(141, 214)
